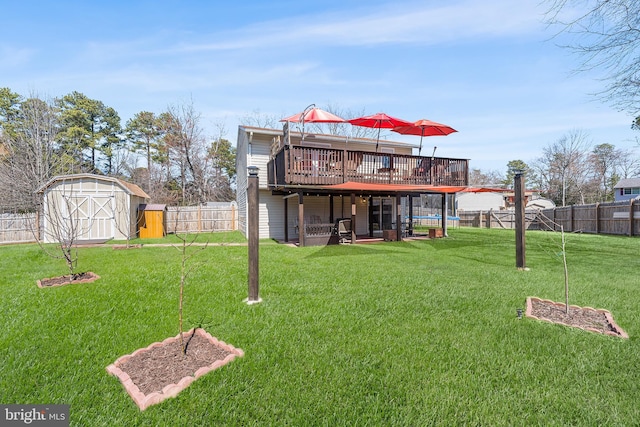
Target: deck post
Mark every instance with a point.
(398, 217)
(445, 209)
(353, 218)
(286, 219)
(301, 224)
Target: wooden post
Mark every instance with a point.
(286, 219)
(353, 218)
(410, 229)
(253, 198)
(518, 186)
(597, 218)
(301, 224)
(571, 222)
(398, 217)
(631, 215)
(445, 209)
(331, 220)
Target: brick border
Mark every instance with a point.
(91, 279)
(617, 330)
(171, 390)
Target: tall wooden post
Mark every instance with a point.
(445, 210)
(353, 217)
(301, 224)
(253, 199)
(518, 186)
(398, 217)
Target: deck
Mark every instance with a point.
(296, 165)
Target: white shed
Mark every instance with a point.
(89, 207)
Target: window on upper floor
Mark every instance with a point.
(633, 190)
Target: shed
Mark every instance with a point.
(89, 207)
(152, 221)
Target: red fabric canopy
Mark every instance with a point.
(394, 188)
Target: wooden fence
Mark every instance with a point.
(617, 218)
(197, 219)
(17, 228)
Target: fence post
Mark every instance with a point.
(571, 221)
(631, 209)
(597, 218)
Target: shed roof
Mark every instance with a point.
(129, 188)
(628, 183)
(152, 207)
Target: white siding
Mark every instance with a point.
(479, 201)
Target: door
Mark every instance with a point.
(92, 215)
(381, 215)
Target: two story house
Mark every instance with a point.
(308, 183)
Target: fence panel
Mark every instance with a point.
(17, 228)
(198, 219)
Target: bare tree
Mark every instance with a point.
(480, 178)
(31, 155)
(563, 169)
(64, 222)
(606, 34)
(261, 120)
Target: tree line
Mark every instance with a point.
(166, 154)
(571, 170)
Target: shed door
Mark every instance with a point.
(95, 216)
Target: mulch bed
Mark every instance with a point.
(587, 318)
(161, 370)
(85, 277)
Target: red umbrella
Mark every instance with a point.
(379, 121)
(314, 115)
(424, 128)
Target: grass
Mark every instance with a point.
(402, 333)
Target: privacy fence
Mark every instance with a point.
(20, 228)
(618, 218)
(197, 219)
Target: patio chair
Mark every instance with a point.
(343, 229)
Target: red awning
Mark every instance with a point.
(394, 188)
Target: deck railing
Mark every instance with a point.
(294, 165)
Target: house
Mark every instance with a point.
(309, 182)
(485, 199)
(627, 189)
(479, 199)
(88, 207)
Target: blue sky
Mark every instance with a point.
(488, 69)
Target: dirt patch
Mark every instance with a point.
(86, 277)
(587, 318)
(161, 370)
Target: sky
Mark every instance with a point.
(492, 70)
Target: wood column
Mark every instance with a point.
(398, 217)
(301, 224)
(518, 186)
(286, 219)
(353, 218)
(445, 209)
(253, 199)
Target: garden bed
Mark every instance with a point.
(587, 318)
(161, 370)
(86, 277)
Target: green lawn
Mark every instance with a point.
(404, 333)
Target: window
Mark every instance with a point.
(635, 190)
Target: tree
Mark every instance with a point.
(87, 124)
(604, 160)
(562, 168)
(606, 34)
(480, 178)
(144, 132)
(518, 165)
(223, 158)
(28, 131)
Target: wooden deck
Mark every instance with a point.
(295, 165)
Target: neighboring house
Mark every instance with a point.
(480, 200)
(627, 189)
(90, 208)
(310, 183)
(484, 199)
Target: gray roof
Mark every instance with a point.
(628, 183)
